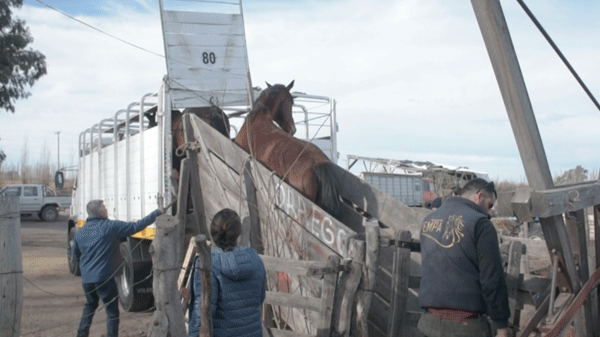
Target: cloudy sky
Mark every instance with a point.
(412, 78)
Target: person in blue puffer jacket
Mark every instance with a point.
(238, 282)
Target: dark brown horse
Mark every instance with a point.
(212, 115)
(302, 164)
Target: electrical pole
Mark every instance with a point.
(58, 148)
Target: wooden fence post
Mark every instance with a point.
(204, 266)
(400, 278)
(367, 283)
(347, 287)
(165, 260)
(11, 267)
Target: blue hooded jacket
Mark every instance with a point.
(96, 245)
(238, 291)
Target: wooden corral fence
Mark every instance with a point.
(373, 290)
(282, 223)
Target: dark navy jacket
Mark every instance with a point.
(461, 265)
(238, 291)
(96, 245)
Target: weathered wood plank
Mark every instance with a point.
(165, 263)
(11, 267)
(182, 202)
(186, 273)
(347, 287)
(577, 219)
(399, 295)
(297, 267)
(205, 271)
(293, 301)
(252, 200)
(196, 190)
(520, 113)
(329, 284)
(284, 333)
(560, 200)
(513, 272)
(367, 283)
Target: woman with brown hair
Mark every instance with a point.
(238, 282)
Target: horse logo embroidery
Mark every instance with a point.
(453, 232)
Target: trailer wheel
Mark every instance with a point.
(50, 213)
(133, 283)
(73, 265)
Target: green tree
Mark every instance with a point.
(19, 67)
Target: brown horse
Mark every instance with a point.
(302, 164)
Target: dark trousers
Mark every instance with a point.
(107, 291)
(431, 326)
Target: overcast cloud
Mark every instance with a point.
(412, 78)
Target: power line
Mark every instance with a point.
(99, 30)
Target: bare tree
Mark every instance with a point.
(572, 176)
(25, 169)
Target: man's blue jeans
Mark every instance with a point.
(107, 291)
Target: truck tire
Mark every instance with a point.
(73, 265)
(49, 213)
(133, 279)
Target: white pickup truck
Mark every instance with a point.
(37, 198)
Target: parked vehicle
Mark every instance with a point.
(38, 199)
(411, 190)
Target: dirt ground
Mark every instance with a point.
(53, 298)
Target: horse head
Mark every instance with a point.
(278, 101)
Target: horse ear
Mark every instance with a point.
(268, 85)
(289, 87)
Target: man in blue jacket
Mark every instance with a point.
(462, 274)
(96, 247)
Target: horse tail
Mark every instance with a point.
(328, 188)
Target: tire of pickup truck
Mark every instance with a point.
(49, 213)
(73, 265)
(133, 279)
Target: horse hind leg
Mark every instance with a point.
(328, 188)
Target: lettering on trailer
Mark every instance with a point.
(317, 222)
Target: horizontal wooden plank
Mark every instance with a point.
(200, 17)
(294, 267)
(204, 40)
(285, 333)
(547, 203)
(293, 301)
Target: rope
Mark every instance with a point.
(193, 146)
